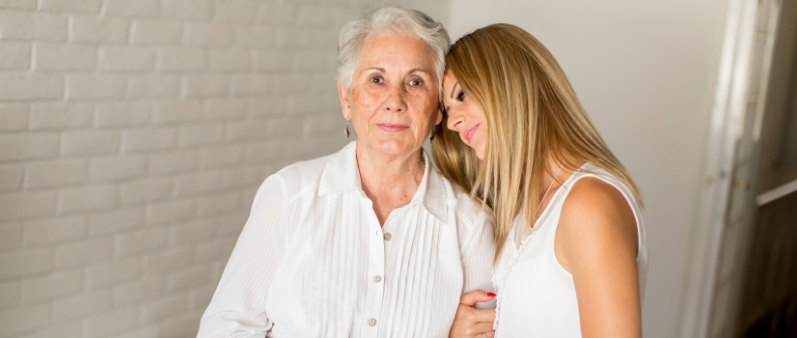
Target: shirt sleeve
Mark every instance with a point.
(477, 249)
(238, 305)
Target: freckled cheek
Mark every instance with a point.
(422, 101)
(365, 103)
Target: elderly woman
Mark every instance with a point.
(371, 241)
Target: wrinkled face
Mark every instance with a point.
(393, 97)
(464, 116)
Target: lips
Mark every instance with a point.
(468, 133)
(390, 127)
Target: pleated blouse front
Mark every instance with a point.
(313, 261)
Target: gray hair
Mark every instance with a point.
(389, 18)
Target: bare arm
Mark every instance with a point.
(596, 241)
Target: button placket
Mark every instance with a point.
(376, 269)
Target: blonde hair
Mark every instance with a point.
(532, 115)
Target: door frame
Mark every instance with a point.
(730, 97)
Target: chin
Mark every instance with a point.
(479, 152)
(393, 146)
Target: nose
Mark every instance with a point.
(395, 101)
(455, 120)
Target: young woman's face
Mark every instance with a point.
(464, 116)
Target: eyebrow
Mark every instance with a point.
(453, 89)
(409, 72)
(418, 70)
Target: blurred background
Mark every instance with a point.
(134, 134)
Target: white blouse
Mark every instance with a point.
(313, 261)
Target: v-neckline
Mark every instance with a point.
(518, 241)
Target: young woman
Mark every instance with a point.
(570, 243)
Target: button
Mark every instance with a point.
(377, 279)
(372, 322)
(388, 236)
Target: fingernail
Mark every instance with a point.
(490, 294)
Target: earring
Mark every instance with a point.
(432, 138)
(346, 131)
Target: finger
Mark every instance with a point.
(475, 316)
(483, 327)
(473, 297)
(489, 334)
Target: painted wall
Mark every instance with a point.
(133, 136)
(644, 72)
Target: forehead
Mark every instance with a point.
(449, 79)
(390, 49)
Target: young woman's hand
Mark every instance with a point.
(471, 322)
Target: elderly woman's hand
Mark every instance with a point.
(470, 321)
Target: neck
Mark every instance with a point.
(556, 172)
(388, 175)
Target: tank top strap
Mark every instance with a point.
(591, 170)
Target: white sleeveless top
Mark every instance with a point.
(536, 295)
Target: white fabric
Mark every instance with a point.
(306, 262)
(536, 295)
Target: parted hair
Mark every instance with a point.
(532, 116)
(389, 18)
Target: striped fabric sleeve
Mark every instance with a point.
(238, 305)
(477, 250)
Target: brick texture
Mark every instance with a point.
(133, 136)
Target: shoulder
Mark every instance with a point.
(468, 212)
(295, 180)
(475, 234)
(465, 206)
(302, 175)
(591, 194)
(596, 212)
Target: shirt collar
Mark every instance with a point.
(341, 174)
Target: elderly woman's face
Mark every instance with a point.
(393, 97)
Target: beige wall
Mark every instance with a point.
(644, 71)
(133, 135)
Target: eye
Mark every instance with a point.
(461, 96)
(416, 82)
(377, 80)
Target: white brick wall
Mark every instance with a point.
(133, 136)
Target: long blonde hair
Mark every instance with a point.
(532, 115)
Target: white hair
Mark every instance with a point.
(389, 18)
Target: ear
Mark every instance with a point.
(344, 101)
(439, 114)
